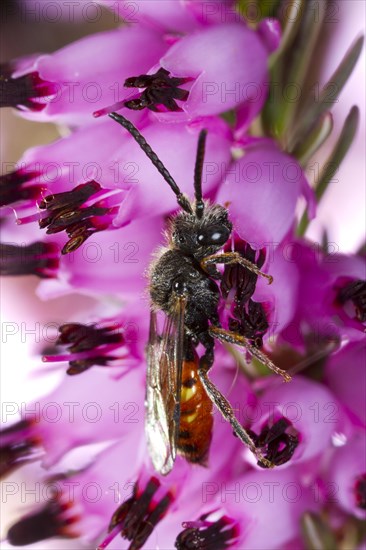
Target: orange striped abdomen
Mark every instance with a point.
(195, 430)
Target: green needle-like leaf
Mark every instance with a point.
(334, 161)
(268, 8)
(327, 97)
(315, 139)
(290, 28)
(316, 533)
(300, 60)
(255, 10)
(339, 152)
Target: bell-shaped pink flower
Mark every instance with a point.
(87, 416)
(266, 496)
(233, 75)
(110, 263)
(297, 420)
(262, 189)
(80, 504)
(331, 303)
(348, 474)
(278, 298)
(346, 377)
(70, 84)
(236, 513)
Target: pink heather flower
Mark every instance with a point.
(267, 177)
(270, 32)
(238, 512)
(235, 74)
(345, 375)
(94, 491)
(348, 472)
(70, 84)
(125, 255)
(81, 504)
(302, 417)
(346, 290)
(331, 302)
(98, 489)
(87, 417)
(279, 298)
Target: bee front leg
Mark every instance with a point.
(229, 337)
(208, 264)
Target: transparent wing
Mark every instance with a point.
(163, 387)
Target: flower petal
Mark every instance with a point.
(262, 190)
(233, 73)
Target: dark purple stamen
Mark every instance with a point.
(15, 428)
(253, 323)
(238, 284)
(41, 259)
(206, 535)
(277, 442)
(24, 91)
(240, 278)
(15, 454)
(14, 188)
(360, 491)
(160, 90)
(50, 521)
(88, 345)
(65, 213)
(354, 291)
(19, 445)
(137, 517)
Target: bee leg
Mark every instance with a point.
(208, 263)
(227, 412)
(230, 337)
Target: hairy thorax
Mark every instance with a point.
(201, 292)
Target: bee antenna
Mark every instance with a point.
(198, 173)
(181, 199)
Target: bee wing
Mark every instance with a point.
(163, 387)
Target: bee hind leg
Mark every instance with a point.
(227, 412)
(222, 403)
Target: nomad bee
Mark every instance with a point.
(179, 393)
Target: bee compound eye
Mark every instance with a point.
(216, 235)
(180, 287)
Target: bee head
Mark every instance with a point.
(200, 237)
